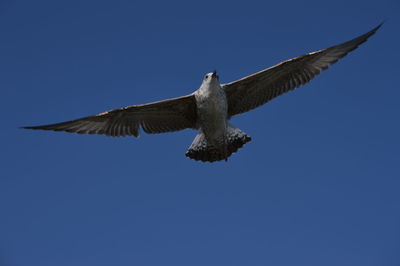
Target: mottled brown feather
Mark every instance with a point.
(158, 117)
(257, 89)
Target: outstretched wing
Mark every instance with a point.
(158, 117)
(259, 88)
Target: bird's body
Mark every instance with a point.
(209, 108)
(212, 109)
(217, 139)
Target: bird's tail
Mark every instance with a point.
(201, 150)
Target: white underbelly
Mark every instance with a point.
(212, 113)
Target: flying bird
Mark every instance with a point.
(209, 108)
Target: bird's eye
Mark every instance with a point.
(206, 77)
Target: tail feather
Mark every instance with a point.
(201, 150)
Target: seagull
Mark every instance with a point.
(209, 108)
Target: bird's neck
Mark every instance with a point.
(210, 88)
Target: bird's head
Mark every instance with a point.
(210, 78)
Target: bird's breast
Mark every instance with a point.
(212, 112)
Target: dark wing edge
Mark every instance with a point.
(158, 117)
(257, 89)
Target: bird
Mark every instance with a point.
(210, 108)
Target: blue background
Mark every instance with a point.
(318, 185)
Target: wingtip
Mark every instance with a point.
(367, 35)
(377, 27)
(29, 127)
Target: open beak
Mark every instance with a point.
(214, 74)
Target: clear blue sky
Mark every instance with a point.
(318, 185)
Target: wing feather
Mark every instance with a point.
(158, 117)
(257, 89)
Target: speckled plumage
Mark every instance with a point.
(212, 109)
(209, 108)
(217, 139)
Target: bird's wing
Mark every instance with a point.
(259, 88)
(158, 117)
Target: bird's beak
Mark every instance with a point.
(214, 74)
